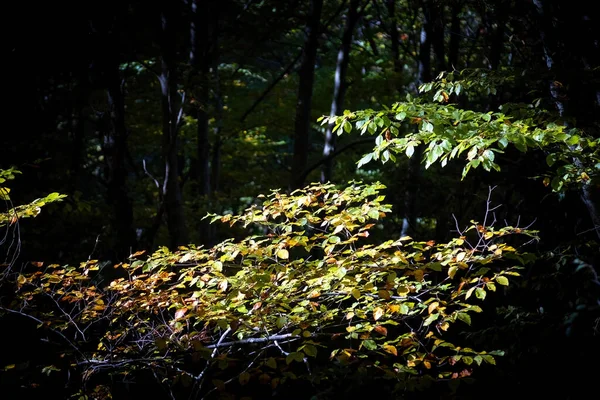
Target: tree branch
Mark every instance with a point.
(336, 153)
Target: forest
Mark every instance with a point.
(300, 199)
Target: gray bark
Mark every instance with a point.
(339, 87)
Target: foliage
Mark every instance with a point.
(448, 131)
(304, 296)
(14, 213)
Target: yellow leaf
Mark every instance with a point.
(432, 306)
(283, 254)
(419, 275)
(390, 349)
(21, 280)
(460, 256)
(394, 308)
(377, 313)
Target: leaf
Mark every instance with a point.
(430, 319)
(464, 317)
(271, 363)
(410, 150)
(390, 349)
(452, 271)
(283, 254)
(180, 313)
(502, 280)
(355, 293)
(366, 159)
(310, 350)
(377, 313)
(382, 330)
(480, 293)
(369, 344)
(432, 307)
(295, 356)
(373, 213)
(244, 378)
(400, 116)
(470, 292)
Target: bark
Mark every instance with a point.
(118, 198)
(395, 40)
(413, 173)
(303, 105)
(455, 35)
(497, 45)
(339, 87)
(171, 111)
(200, 61)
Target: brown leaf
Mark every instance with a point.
(382, 330)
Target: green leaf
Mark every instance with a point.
(295, 356)
(464, 317)
(373, 213)
(400, 116)
(480, 293)
(366, 159)
(430, 319)
(502, 280)
(369, 344)
(310, 350)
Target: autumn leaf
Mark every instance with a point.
(381, 330)
(377, 313)
(283, 254)
(390, 349)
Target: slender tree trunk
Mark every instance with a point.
(395, 40)
(497, 46)
(200, 61)
(339, 87)
(216, 151)
(117, 181)
(409, 220)
(455, 35)
(303, 105)
(172, 196)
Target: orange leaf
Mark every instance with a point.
(381, 330)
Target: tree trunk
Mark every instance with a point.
(305, 89)
(200, 61)
(171, 189)
(339, 87)
(497, 46)
(395, 40)
(117, 181)
(409, 220)
(455, 35)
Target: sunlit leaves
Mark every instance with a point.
(309, 276)
(450, 132)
